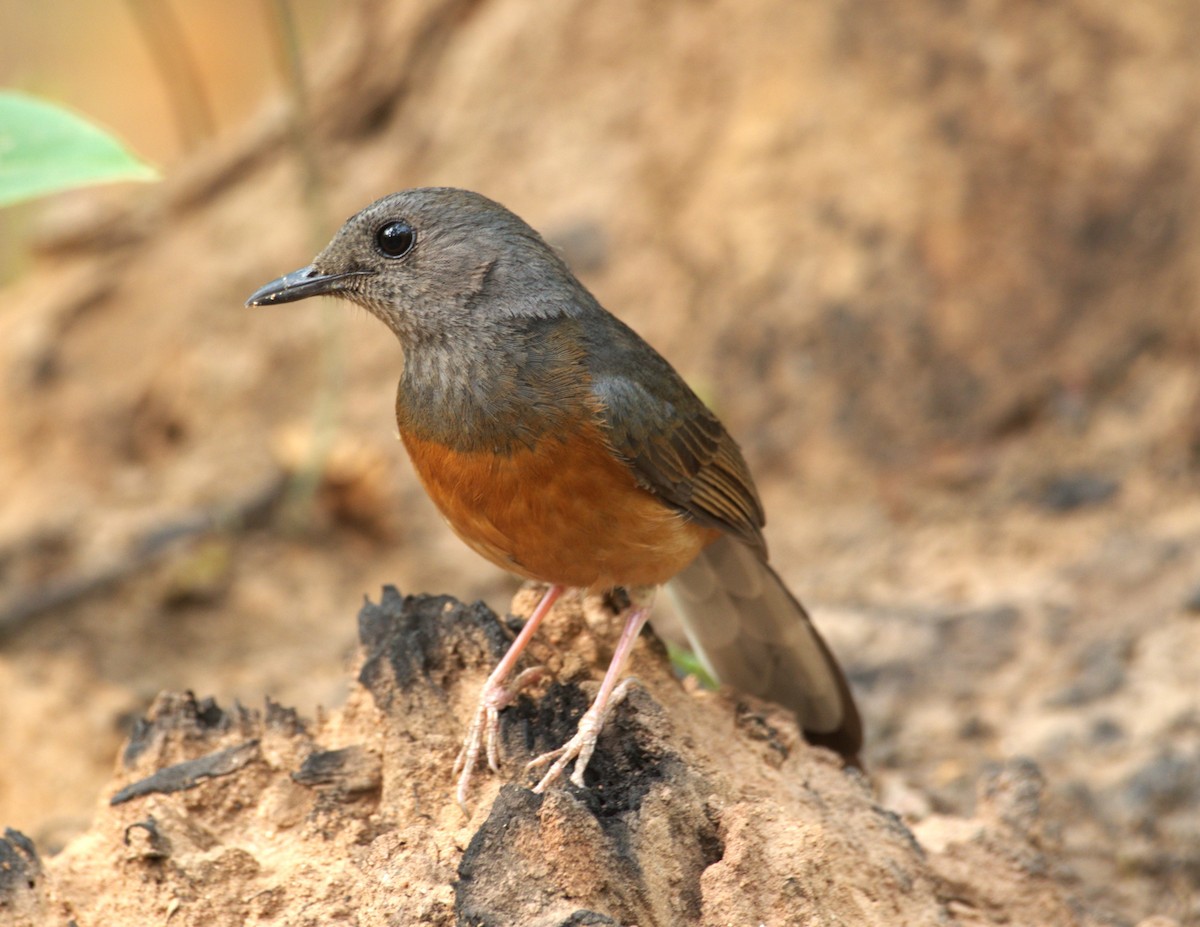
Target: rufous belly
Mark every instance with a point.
(565, 512)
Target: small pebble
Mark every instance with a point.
(1071, 491)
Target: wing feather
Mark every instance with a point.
(678, 449)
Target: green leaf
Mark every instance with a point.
(687, 663)
(44, 149)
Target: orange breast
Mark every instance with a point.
(565, 512)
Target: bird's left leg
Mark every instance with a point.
(497, 693)
(580, 747)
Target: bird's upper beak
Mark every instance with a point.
(300, 284)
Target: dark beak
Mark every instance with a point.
(300, 284)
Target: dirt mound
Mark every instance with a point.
(700, 808)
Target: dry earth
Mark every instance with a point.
(701, 808)
(936, 266)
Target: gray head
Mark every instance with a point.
(434, 264)
(477, 299)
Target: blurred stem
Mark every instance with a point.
(165, 40)
(14, 236)
(331, 388)
(291, 66)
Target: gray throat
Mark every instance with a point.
(498, 394)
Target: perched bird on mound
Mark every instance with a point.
(563, 448)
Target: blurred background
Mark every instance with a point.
(935, 264)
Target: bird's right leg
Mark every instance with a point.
(498, 692)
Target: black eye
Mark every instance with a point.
(395, 239)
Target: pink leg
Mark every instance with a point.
(581, 746)
(497, 694)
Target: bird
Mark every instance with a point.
(562, 447)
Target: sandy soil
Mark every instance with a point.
(935, 267)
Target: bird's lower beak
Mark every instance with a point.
(300, 284)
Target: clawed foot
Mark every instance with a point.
(484, 732)
(580, 747)
(498, 692)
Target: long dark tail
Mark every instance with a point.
(749, 631)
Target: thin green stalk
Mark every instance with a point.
(331, 388)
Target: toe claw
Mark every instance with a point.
(580, 747)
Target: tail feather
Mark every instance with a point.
(749, 631)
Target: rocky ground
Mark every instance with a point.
(701, 808)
